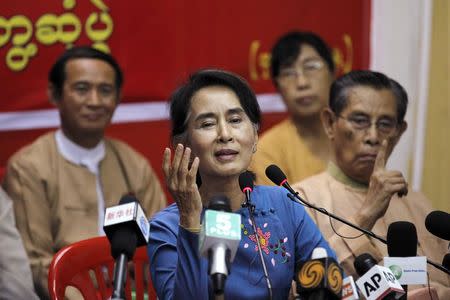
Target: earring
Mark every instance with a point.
(254, 148)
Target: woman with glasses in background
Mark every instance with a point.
(302, 70)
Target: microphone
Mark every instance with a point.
(128, 213)
(277, 176)
(126, 227)
(219, 239)
(402, 239)
(402, 249)
(438, 223)
(446, 261)
(320, 277)
(246, 185)
(274, 173)
(349, 291)
(376, 282)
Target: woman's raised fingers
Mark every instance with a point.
(166, 162)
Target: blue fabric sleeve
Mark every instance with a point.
(177, 270)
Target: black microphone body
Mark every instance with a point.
(123, 246)
(402, 242)
(246, 185)
(438, 223)
(446, 261)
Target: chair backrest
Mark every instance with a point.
(88, 266)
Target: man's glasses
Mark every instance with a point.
(386, 126)
(309, 68)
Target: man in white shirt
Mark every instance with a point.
(62, 182)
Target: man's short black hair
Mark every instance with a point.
(57, 74)
(341, 86)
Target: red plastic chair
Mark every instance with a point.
(88, 266)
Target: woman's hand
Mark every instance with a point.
(181, 182)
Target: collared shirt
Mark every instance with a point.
(89, 158)
(340, 176)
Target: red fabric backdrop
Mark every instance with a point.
(158, 43)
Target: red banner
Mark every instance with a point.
(159, 42)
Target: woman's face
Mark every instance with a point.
(305, 85)
(220, 133)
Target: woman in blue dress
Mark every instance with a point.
(215, 118)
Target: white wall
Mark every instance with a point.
(400, 43)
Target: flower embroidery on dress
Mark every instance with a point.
(278, 248)
(263, 240)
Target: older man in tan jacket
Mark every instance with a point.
(364, 122)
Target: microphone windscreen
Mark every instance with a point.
(363, 263)
(246, 181)
(220, 203)
(124, 240)
(438, 223)
(128, 198)
(274, 173)
(402, 239)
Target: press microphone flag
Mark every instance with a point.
(349, 290)
(402, 249)
(376, 282)
(320, 277)
(219, 239)
(128, 213)
(126, 228)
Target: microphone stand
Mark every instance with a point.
(120, 275)
(294, 196)
(251, 208)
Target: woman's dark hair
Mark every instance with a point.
(57, 74)
(180, 100)
(287, 49)
(340, 87)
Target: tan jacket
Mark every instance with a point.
(55, 201)
(344, 199)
